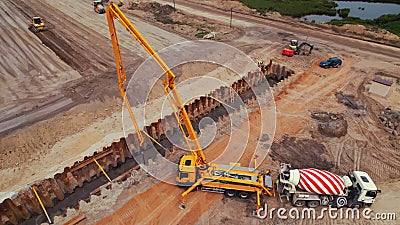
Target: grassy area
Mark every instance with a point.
(390, 22)
(299, 8)
(203, 29)
(380, 1)
(201, 34)
(344, 12)
(393, 27)
(295, 8)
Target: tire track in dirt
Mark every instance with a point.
(324, 87)
(73, 42)
(13, 45)
(381, 168)
(358, 152)
(32, 75)
(309, 92)
(159, 205)
(386, 164)
(43, 65)
(20, 60)
(370, 152)
(339, 153)
(353, 142)
(380, 148)
(72, 57)
(42, 73)
(36, 53)
(16, 53)
(21, 51)
(94, 39)
(57, 43)
(313, 89)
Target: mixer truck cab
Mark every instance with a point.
(363, 189)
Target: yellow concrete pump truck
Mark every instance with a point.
(194, 171)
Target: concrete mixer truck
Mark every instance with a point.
(312, 187)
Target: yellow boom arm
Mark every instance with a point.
(113, 12)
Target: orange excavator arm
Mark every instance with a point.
(113, 12)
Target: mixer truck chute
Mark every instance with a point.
(313, 187)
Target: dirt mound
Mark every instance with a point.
(330, 125)
(160, 12)
(301, 153)
(157, 8)
(391, 120)
(371, 32)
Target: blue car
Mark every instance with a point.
(331, 62)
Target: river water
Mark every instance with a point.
(363, 10)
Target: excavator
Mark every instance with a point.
(300, 48)
(193, 172)
(296, 49)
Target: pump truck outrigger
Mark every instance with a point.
(193, 170)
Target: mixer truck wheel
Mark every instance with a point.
(300, 203)
(313, 204)
(340, 202)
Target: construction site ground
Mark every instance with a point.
(59, 102)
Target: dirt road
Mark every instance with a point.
(315, 34)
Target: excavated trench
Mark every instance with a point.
(84, 178)
(83, 193)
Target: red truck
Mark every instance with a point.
(98, 7)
